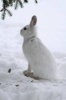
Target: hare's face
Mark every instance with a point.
(26, 31)
(29, 30)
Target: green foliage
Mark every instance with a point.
(9, 3)
(36, 1)
(18, 2)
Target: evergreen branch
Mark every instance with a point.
(9, 12)
(36, 1)
(16, 4)
(21, 4)
(11, 2)
(3, 15)
(7, 3)
(26, 1)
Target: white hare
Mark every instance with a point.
(39, 58)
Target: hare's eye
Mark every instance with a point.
(25, 28)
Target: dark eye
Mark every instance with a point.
(25, 28)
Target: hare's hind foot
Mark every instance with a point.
(27, 73)
(30, 74)
(34, 77)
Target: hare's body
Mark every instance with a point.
(38, 56)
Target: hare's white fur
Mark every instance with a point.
(39, 58)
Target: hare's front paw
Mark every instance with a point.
(27, 73)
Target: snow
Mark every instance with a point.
(52, 31)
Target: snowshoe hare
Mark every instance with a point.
(39, 58)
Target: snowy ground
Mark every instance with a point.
(52, 31)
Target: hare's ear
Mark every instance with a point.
(33, 21)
